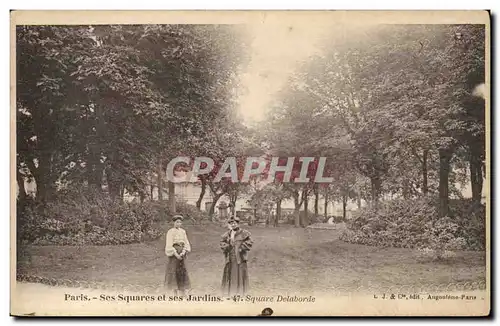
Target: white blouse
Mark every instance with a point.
(174, 236)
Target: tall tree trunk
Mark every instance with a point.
(114, 182)
(159, 183)
(40, 185)
(232, 208)
(480, 180)
(344, 207)
(296, 210)
(316, 201)
(22, 189)
(277, 218)
(215, 198)
(306, 209)
(476, 175)
(326, 206)
(122, 193)
(358, 197)
(171, 197)
(425, 187)
(96, 151)
(97, 177)
(406, 189)
(45, 186)
(444, 172)
(375, 190)
(94, 167)
(202, 193)
(233, 197)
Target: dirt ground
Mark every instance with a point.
(283, 260)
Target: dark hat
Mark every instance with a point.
(177, 217)
(234, 218)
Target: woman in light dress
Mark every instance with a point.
(177, 248)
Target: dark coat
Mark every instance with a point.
(242, 245)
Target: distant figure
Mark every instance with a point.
(235, 244)
(251, 220)
(176, 248)
(331, 220)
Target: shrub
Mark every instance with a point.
(415, 224)
(471, 219)
(80, 217)
(190, 212)
(289, 218)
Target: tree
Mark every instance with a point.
(273, 193)
(115, 94)
(394, 90)
(47, 126)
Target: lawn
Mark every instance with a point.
(284, 260)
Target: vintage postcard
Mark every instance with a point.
(250, 163)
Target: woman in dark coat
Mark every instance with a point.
(235, 244)
(176, 248)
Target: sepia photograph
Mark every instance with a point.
(250, 163)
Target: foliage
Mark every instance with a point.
(390, 103)
(393, 109)
(268, 195)
(471, 218)
(83, 218)
(415, 224)
(190, 213)
(98, 101)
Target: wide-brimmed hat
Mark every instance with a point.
(177, 217)
(233, 218)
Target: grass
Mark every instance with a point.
(284, 259)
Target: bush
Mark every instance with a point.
(471, 219)
(415, 224)
(289, 218)
(190, 212)
(82, 217)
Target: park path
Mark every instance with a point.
(283, 260)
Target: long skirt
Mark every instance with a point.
(176, 275)
(235, 277)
